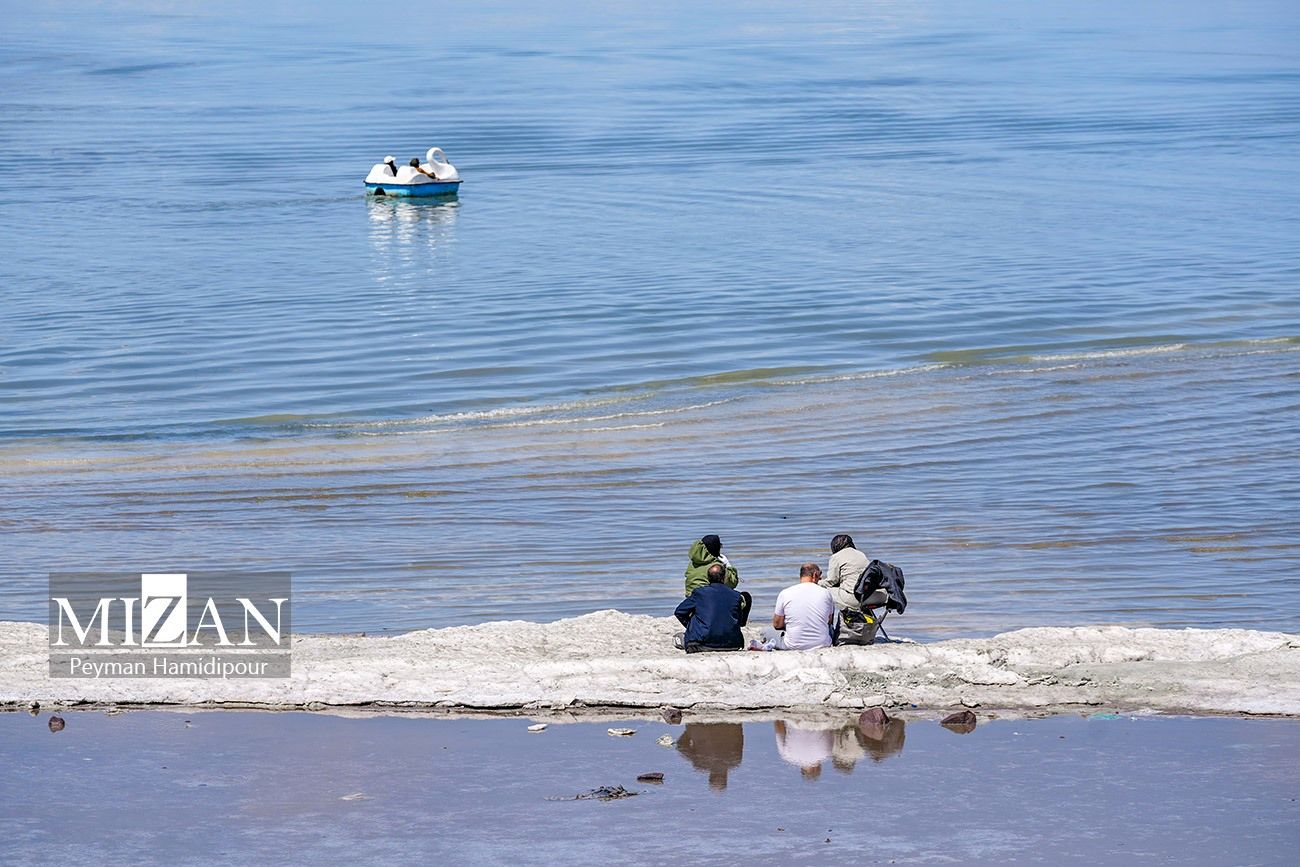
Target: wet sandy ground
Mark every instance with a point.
(244, 787)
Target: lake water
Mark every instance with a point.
(1009, 291)
(163, 788)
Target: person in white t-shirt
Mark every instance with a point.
(804, 614)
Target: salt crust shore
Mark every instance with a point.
(609, 660)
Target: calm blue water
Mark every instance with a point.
(1154, 791)
(1009, 291)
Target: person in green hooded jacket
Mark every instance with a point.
(704, 554)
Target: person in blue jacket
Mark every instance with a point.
(713, 615)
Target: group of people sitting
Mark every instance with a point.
(808, 615)
(414, 163)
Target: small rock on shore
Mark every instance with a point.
(963, 722)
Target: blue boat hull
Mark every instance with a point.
(447, 188)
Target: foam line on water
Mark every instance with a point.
(566, 412)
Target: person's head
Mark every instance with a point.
(391, 163)
(840, 542)
(811, 772)
(717, 573)
(414, 163)
(712, 544)
(810, 572)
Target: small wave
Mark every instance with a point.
(747, 376)
(138, 68)
(618, 415)
(1233, 347)
(1050, 368)
(1108, 353)
(1034, 354)
(278, 419)
(484, 415)
(657, 397)
(863, 375)
(647, 426)
(1127, 348)
(446, 424)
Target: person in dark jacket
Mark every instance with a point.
(713, 615)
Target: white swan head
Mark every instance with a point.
(437, 163)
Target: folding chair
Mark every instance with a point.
(879, 618)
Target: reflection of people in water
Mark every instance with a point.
(808, 747)
(714, 748)
(804, 747)
(855, 741)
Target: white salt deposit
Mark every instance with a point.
(611, 660)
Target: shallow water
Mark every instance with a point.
(1088, 491)
(1006, 291)
(156, 787)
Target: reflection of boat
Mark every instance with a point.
(400, 213)
(402, 227)
(435, 177)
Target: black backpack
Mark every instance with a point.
(880, 574)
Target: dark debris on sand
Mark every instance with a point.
(604, 793)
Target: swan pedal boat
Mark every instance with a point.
(406, 181)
